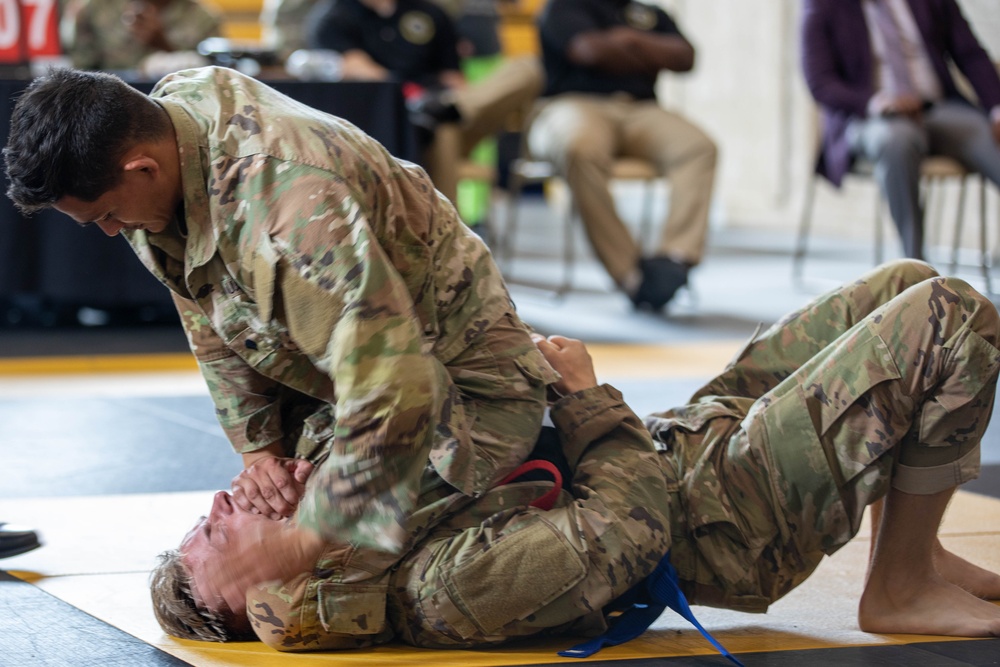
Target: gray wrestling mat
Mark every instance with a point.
(92, 446)
(39, 630)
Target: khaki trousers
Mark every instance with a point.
(485, 108)
(583, 134)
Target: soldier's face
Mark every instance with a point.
(135, 203)
(210, 539)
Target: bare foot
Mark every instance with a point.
(980, 582)
(928, 606)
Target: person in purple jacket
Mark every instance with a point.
(879, 71)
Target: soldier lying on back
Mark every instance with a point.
(881, 389)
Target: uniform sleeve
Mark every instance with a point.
(820, 62)
(348, 308)
(83, 47)
(666, 25)
(245, 401)
(621, 501)
(970, 57)
(563, 20)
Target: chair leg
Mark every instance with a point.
(489, 223)
(984, 248)
(569, 252)
(805, 222)
(505, 250)
(879, 231)
(646, 222)
(957, 236)
(930, 201)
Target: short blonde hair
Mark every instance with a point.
(175, 607)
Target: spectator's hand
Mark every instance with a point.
(453, 80)
(356, 65)
(272, 486)
(905, 105)
(569, 357)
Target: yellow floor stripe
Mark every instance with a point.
(118, 363)
(611, 360)
(662, 361)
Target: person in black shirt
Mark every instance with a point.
(415, 42)
(602, 59)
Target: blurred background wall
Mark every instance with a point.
(747, 90)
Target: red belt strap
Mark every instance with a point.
(546, 501)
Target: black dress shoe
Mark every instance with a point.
(661, 278)
(433, 108)
(16, 540)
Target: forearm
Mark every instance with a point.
(357, 64)
(389, 396)
(629, 51)
(664, 52)
(602, 51)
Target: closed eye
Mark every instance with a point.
(103, 218)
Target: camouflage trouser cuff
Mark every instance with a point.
(934, 479)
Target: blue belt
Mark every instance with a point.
(659, 591)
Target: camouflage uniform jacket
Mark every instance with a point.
(101, 41)
(498, 569)
(316, 270)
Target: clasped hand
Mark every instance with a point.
(272, 486)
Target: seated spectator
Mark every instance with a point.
(879, 70)
(119, 35)
(602, 59)
(415, 42)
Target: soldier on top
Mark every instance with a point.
(337, 306)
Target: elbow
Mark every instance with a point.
(678, 56)
(685, 63)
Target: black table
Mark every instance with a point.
(49, 265)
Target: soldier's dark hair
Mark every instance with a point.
(68, 132)
(176, 610)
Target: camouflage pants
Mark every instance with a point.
(888, 380)
(500, 569)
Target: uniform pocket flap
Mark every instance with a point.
(534, 367)
(352, 609)
(264, 262)
(851, 368)
(516, 576)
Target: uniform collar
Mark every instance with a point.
(201, 235)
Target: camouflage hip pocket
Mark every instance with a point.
(487, 593)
